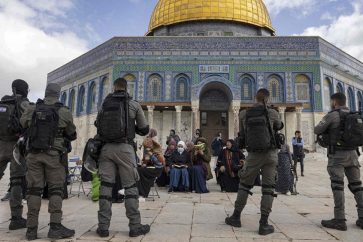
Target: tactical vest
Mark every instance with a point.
(114, 125)
(10, 127)
(258, 137)
(44, 128)
(298, 149)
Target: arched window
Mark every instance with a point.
(274, 86)
(72, 100)
(350, 100)
(131, 84)
(302, 88)
(360, 101)
(246, 88)
(327, 93)
(154, 88)
(181, 88)
(339, 88)
(64, 98)
(105, 88)
(81, 104)
(92, 97)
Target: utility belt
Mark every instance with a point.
(333, 148)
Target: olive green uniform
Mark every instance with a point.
(256, 162)
(47, 167)
(341, 162)
(17, 172)
(120, 158)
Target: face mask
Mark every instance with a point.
(180, 150)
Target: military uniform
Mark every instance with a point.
(121, 158)
(342, 160)
(17, 172)
(46, 167)
(255, 162)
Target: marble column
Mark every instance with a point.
(150, 115)
(236, 106)
(195, 117)
(178, 110)
(298, 117)
(282, 117)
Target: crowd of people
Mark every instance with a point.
(35, 139)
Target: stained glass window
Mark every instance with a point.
(92, 96)
(131, 84)
(302, 88)
(72, 100)
(275, 90)
(181, 88)
(105, 88)
(246, 85)
(64, 98)
(351, 99)
(327, 94)
(81, 99)
(154, 88)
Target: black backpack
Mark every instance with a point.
(112, 120)
(10, 127)
(258, 137)
(351, 129)
(44, 127)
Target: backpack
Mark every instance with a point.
(112, 121)
(351, 129)
(10, 126)
(44, 127)
(258, 137)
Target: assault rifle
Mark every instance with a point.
(16, 122)
(271, 131)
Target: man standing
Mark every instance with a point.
(11, 108)
(217, 144)
(117, 122)
(342, 159)
(298, 150)
(49, 123)
(258, 127)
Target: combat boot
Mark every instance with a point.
(338, 224)
(32, 233)
(102, 233)
(141, 230)
(359, 223)
(265, 228)
(17, 223)
(58, 231)
(234, 220)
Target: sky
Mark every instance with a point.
(38, 36)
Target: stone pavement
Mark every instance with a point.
(197, 218)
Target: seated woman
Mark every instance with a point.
(199, 171)
(179, 175)
(152, 164)
(285, 176)
(228, 165)
(164, 179)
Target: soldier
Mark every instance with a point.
(117, 122)
(50, 124)
(258, 129)
(342, 159)
(11, 108)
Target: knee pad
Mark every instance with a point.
(355, 187)
(34, 191)
(337, 185)
(55, 191)
(246, 188)
(107, 184)
(131, 192)
(16, 181)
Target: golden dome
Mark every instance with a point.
(169, 12)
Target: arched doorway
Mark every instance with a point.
(215, 100)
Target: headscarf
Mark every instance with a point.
(190, 146)
(183, 144)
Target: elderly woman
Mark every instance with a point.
(179, 175)
(228, 165)
(152, 164)
(285, 177)
(201, 159)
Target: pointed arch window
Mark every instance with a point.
(64, 98)
(302, 88)
(72, 100)
(92, 93)
(351, 101)
(327, 93)
(105, 88)
(339, 88)
(181, 89)
(81, 100)
(246, 88)
(154, 88)
(274, 87)
(131, 84)
(360, 101)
